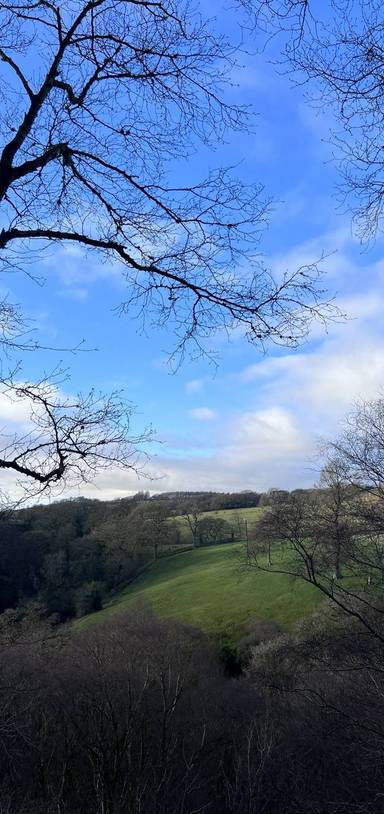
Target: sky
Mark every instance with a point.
(254, 419)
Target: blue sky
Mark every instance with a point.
(254, 420)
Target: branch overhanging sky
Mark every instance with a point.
(255, 420)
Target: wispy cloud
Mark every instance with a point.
(76, 294)
(203, 414)
(76, 268)
(195, 385)
(260, 449)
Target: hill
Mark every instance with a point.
(208, 588)
(72, 556)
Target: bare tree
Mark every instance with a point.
(334, 535)
(64, 440)
(150, 526)
(193, 517)
(263, 536)
(319, 534)
(360, 446)
(335, 527)
(213, 530)
(116, 93)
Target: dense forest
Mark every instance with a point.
(137, 715)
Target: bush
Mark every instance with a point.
(257, 631)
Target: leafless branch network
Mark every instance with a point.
(63, 440)
(336, 49)
(123, 91)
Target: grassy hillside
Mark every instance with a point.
(207, 587)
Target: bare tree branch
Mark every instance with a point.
(64, 439)
(337, 50)
(125, 89)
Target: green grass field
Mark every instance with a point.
(208, 588)
(235, 517)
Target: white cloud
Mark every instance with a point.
(254, 449)
(15, 412)
(195, 385)
(290, 401)
(203, 414)
(76, 268)
(260, 449)
(334, 246)
(264, 433)
(76, 294)
(287, 401)
(324, 382)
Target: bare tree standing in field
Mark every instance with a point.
(193, 516)
(150, 526)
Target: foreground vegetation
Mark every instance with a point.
(136, 716)
(211, 589)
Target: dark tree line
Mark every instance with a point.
(70, 555)
(180, 502)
